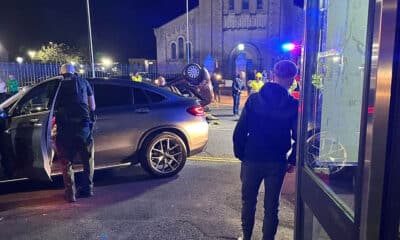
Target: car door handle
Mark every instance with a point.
(142, 110)
(33, 120)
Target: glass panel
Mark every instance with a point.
(37, 100)
(173, 51)
(139, 97)
(112, 96)
(231, 4)
(180, 48)
(337, 90)
(259, 4)
(189, 50)
(245, 4)
(313, 230)
(154, 97)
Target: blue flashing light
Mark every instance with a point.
(3, 115)
(287, 47)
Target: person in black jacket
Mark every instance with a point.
(262, 139)
(76, 104)
(237, 87)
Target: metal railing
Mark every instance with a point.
(31, 73)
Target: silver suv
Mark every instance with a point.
(136, 123)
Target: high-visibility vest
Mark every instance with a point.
(256, 86)
(137, 78)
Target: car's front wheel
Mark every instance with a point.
(164, 155)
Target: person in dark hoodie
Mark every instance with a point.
(237, 88)
(261, 140)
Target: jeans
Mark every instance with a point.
(236, 103)
(252, 174)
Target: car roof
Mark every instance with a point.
(121, 81)
(127, 82)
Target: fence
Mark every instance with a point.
(32, 73)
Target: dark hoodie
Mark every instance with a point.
(266, 126)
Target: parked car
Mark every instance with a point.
(136, 123)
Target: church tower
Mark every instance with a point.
(209, 30)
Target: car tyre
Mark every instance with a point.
(163, 155)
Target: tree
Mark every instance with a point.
(58, 53)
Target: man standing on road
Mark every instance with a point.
(74, 131)
(237, 87)
(216, 81)
(262, 139)
(256, 85)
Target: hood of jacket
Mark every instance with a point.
(273, 101)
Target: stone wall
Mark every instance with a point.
(170, 33)
(216, 30)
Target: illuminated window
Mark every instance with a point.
(180, 48)
(173, 50)
(231, 4)
(245, 4)
(259, 4)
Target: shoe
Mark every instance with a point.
(85, 194)
(70, 198)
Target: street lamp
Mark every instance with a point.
(19, 60)
(107, 62)
(90, 38)
(31, 54)
(240, 46)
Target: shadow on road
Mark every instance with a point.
(127, 183)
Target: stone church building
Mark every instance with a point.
(230, 35)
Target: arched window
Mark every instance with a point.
(189, 50)
(231, 5)
(173, 50)
(259, 4)
(245, 4)
(181, 53)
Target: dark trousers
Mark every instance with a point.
(236, 103)
(67, 148)
(252, 174)
(217, 95)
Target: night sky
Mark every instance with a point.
(121, 28)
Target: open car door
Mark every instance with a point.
(30, 131)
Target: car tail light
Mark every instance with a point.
(196, 110)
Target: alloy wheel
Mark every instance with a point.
(166, 155)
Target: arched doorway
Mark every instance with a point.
(244, 57)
